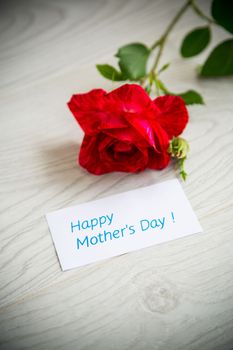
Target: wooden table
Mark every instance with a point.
(175, 296)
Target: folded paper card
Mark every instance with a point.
(121, 223)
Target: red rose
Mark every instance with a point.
(125, 130)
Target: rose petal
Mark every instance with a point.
(99, 155)
(130, 98)
(128, 134)
(158, 161)
(143, 127)
(91, 113)
(173, 115)
(159, 157)
(89, 156)
(131, 161)
(85, 108)
(160, 137)
(138, 108)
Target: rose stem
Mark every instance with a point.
(200, 13)
(162, 40)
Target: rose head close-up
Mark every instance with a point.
(125, 130)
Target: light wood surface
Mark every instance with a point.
(175, 296)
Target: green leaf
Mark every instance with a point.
(163, 68)
(195, 42)
(109, 72)
(222, 12)
(133, 60)
(220, 60)
(191, 97)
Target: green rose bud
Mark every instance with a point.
(178, 149)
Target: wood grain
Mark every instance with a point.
(178, 295)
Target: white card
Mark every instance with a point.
(121, 223)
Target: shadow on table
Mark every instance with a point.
(62, 171)
(61, 162)
(61, 167)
